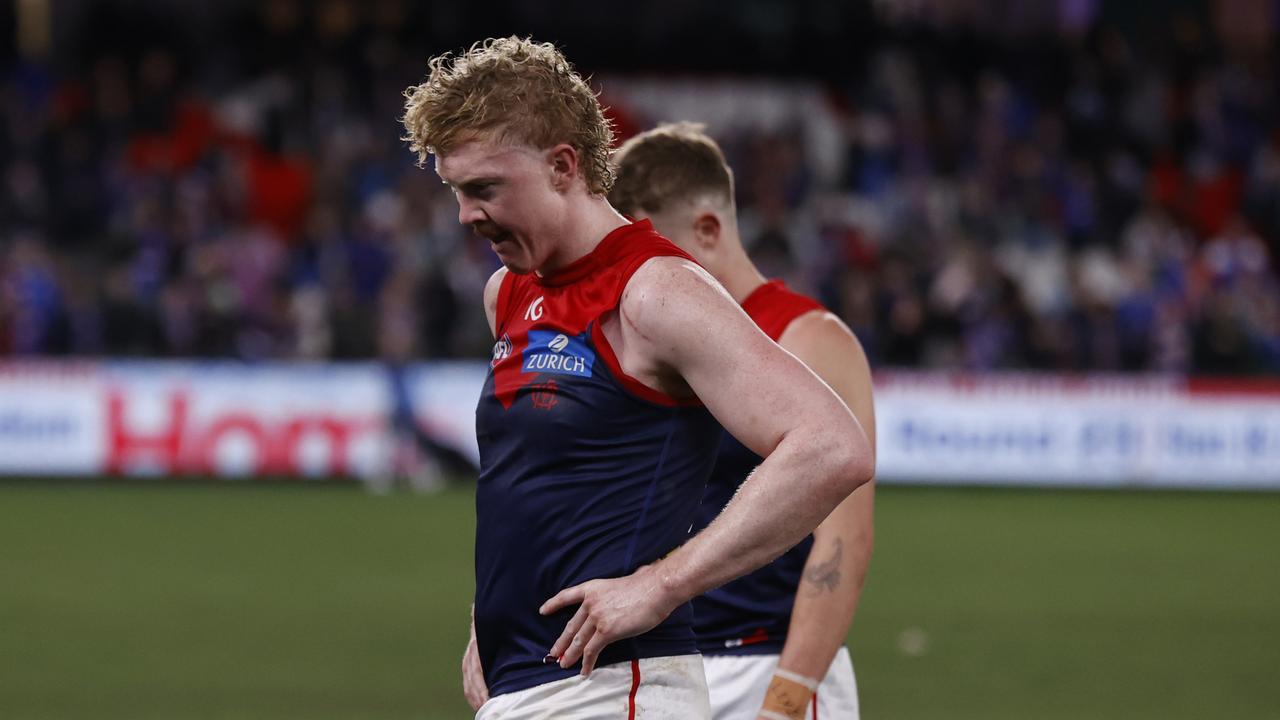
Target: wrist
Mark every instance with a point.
(667, 585)
(788, 696)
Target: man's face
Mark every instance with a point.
(505, 193)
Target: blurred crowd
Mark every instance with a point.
(1078, 201)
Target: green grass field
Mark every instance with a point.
(314, 602)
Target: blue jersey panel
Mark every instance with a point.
(579, 480)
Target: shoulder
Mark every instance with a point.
(669, 272)
(829, 348)
(670, 287)
(492, 289)
(817, 325)
(819, 337)
(678, 324)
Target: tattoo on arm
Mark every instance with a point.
(826, 574)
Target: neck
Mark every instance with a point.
(585, 225)
(738, 274)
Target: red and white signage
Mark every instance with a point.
(326, 420)
(205, 419)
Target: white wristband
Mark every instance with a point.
(771, 715)
(798, 678)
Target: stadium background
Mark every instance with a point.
(225, 290)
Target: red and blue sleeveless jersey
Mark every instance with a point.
(584, 472)
(750, 615)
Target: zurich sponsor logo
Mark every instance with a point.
(558, 354)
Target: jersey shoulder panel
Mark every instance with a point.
(773, 306)
(627, 253)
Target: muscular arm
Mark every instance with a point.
(837, 565)
(677, 325)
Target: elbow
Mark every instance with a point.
(856, 461)
(858, 472)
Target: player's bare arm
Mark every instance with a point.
(491, 289)
(473, 685)
(679, 331)
(837, 565)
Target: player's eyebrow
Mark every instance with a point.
(472, 184)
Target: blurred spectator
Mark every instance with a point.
(1031, 189)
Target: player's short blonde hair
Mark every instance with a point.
(668, 164)
(511, 89)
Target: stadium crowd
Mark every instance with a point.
(1077, 201)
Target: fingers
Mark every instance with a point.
(575, 624)
(586, 634)
(573, 652)
(562, 599)
(591, 652)
(585, 645)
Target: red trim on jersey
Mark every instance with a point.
(635, 687)
(758, 636)
(630, 384)
(814, 701)
(773, 306)
(610, 248)
(575, 298)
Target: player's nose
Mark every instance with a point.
(469, 213)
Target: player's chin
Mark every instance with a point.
(517, 265)
(511, 257)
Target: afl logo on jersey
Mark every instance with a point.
(501, 350)
(534, 312)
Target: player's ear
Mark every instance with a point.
(563, 159)
(707, 229)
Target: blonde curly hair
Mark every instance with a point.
(510, 89)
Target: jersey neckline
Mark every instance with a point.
(599, 256)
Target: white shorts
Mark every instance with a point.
(662, 688)
(738, 684)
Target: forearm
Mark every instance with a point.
(830, 587)
(787, 496)
(473, 683)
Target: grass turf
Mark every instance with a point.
(241, 602)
